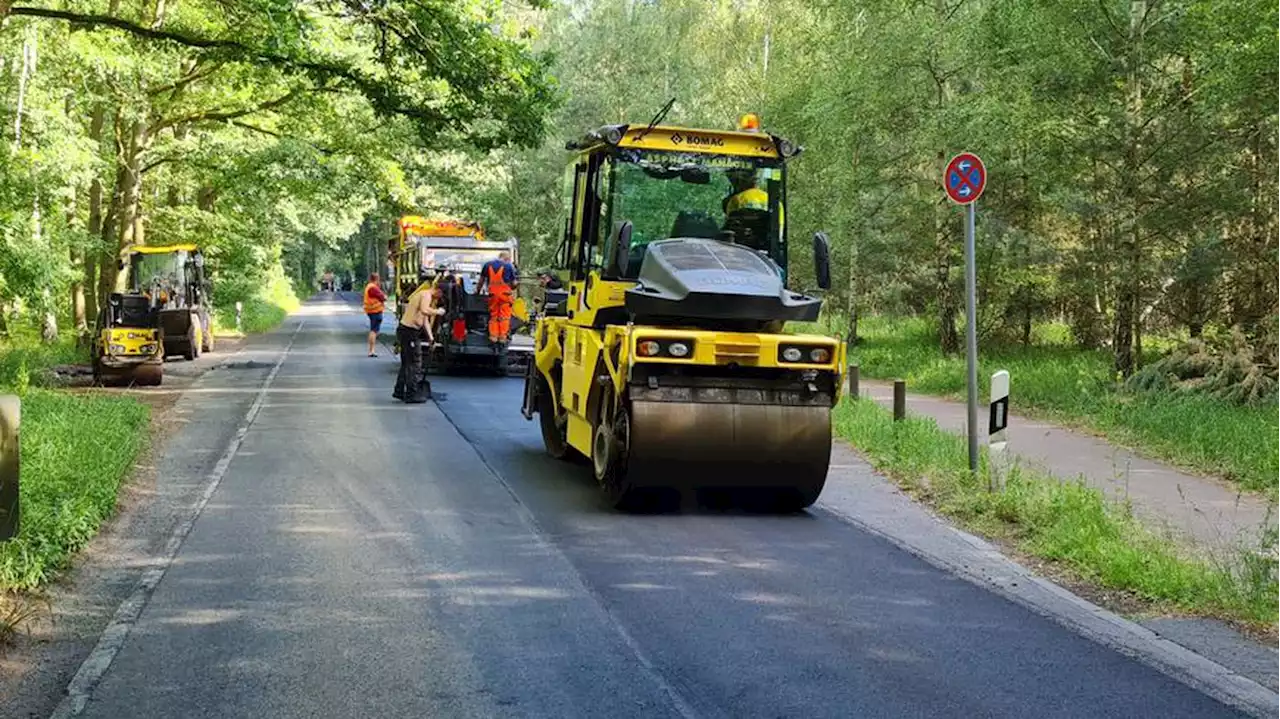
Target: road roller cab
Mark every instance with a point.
(667, 365)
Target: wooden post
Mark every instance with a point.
(10, 418)
(853, 380)
(899, 400)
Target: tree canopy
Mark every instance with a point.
(1131, 144)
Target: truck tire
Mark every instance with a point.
(191, 346)
(610, 443)
(206, 334)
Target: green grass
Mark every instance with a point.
(1066, 522)
(76, 449)
(261, 312)
(1055, 380)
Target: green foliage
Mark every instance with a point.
(1232, 374)
(75, 451)
(1066, 522)
(1060, 381)
(262, 131)
(263, 307)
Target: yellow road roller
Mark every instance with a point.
(663, 359)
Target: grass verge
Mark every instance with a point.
(261, 312)
(1052, 379)
(76, 449)
(1066, 522)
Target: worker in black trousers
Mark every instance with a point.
(415, 323)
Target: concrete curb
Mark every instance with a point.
(897, 519)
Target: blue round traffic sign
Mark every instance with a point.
(965, 178)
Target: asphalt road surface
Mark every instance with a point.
(365, 558)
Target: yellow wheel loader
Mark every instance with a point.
(663, 359)
(159, 309)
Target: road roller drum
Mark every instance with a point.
(700, 445)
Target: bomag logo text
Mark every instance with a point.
(698, 140)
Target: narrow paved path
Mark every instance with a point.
(364, 558)
(1210, 512)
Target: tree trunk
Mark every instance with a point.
(28, 67)
(1128, 297)
(206, 198)
(948, 337)
(92, 257)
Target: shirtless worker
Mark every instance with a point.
(415, 322)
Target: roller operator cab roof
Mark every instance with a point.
(739, 143)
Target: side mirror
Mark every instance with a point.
(623, 248)
(822, 260)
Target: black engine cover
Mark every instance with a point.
(714, 283)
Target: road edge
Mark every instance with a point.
(95, 666)
(981, 563)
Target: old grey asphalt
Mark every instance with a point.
(364, 558)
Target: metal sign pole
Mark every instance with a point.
(964, 179)
(971, 333)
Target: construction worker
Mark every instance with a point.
(549, 281)
(415, 323)
(746, 210)
(500, 276)
(374, 304)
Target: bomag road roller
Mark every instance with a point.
(448, 255)
(663, 359)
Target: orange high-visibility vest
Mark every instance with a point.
(497, 285)
(372, 305)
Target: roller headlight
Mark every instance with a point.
(117, 348)
(792, 354)
(648, 348)
(678, 349)
(820, 355)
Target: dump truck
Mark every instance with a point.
(663, 360)
(447, 255)
(159, 309)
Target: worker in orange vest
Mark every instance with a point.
(500, 276)
(374, 304)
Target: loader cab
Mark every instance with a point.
(630, 186)
(168, 277)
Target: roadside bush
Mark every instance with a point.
(1232, 372)
(1066, 522)
(76, 449)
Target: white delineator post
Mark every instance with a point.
(998, 423)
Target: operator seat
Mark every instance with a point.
(695, 223)
(130, 310)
